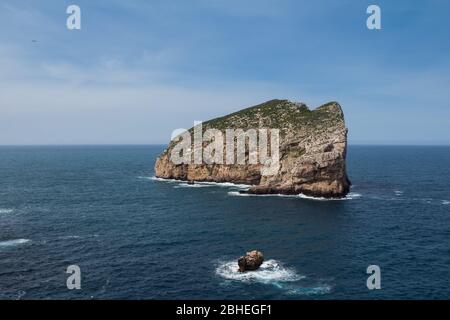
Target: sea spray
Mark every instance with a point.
(274, 273)
(270, 271)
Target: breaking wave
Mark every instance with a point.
(445, 202)
(350, 196)
(199, 184)
(6, 210)
(194, 185)
(224, 184)
(270, 271)
(273, 273)
(202, 184)
(11, 243)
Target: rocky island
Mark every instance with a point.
(312, 151)
(251, 261)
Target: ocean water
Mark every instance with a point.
(137, 237)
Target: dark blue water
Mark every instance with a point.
(137, 238)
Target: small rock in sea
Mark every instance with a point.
(251, 261)
(191, 182)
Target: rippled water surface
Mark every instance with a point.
(137, 237)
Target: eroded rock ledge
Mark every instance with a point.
(313, 145)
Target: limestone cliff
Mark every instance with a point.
(312, 151)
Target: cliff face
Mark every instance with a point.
(312, 151)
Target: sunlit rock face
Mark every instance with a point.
(251, 261)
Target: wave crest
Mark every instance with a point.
(15, 242)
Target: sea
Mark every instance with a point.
(134, 236)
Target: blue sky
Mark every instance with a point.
(139, 69)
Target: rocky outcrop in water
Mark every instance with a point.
(251, 261)
(312, 151)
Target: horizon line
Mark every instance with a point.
(165, 144)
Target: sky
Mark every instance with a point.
(137, 70)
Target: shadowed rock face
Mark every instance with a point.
(313, 145)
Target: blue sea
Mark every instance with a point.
(137, 237)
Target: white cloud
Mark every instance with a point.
(59, 103)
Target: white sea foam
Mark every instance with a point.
(200, 184)
(10, 243)
(353, 195)
(197, 184)
(6, 210)
(269, 272)
(224, 184)
(349, 196)
(153, 178)
(445, 202)
(238, 194)
(193, 185)
(398, 192)
(273, 273)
